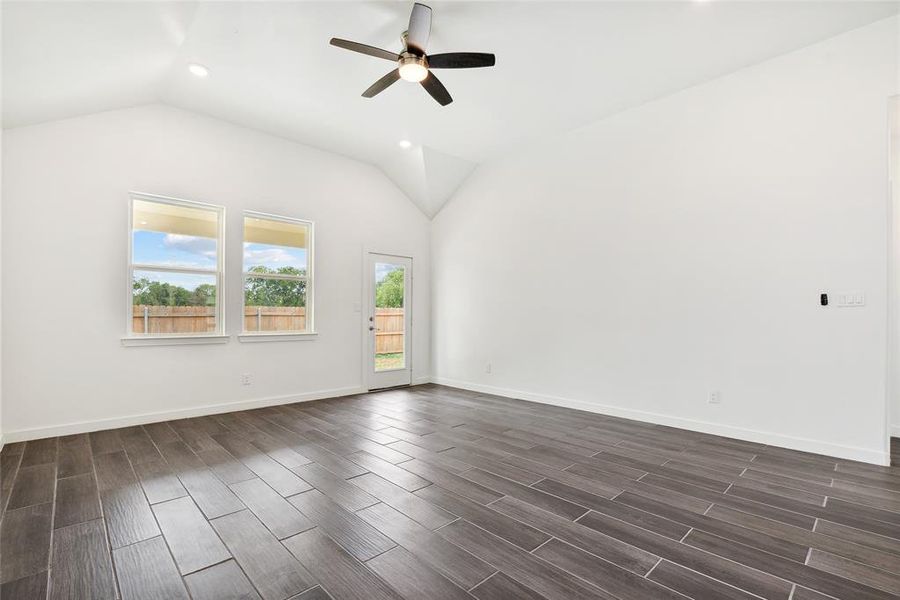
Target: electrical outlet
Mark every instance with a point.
(246, 379)
(487, 368)
(714, 398)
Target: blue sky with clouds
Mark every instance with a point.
(194, 252)
(382, 269)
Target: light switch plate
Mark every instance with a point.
(851, 299)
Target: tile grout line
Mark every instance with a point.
(650, 531)
(53, 513)
(685, 536)
(152, 512)
(564, 570)
(174, 473)
(647, 574)
(364, 562)
(109, 546)
(482, 581)
(539, 546)
(15, 476)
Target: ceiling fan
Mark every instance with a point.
(413, 64)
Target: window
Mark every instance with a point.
(175, 268)
(277, 275)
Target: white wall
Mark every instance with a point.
(1, 286)
(1, 253)
(894, 276)
(64, 240)
(680, 247)
(894, 279)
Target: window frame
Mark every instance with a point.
(139, 339)
(310, 332)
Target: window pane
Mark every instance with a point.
(173, 303)
(389, 285)
(274, 305)
(169, 235)
(389, 318)
(272, 246)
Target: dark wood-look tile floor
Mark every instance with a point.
(433, 493)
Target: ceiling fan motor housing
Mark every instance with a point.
(404, 41)
(408, 58)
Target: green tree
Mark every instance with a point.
(389, 291)
(156, 293)
(204, 295)
(260, 291)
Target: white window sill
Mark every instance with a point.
(278, 337)
(174, 340)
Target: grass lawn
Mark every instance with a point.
(392, 360)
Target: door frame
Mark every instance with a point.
(368, 291)
(892, 384)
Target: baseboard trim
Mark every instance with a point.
(750, 435)
(895, 431)
(200, 411)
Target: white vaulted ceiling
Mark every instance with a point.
(559, 66)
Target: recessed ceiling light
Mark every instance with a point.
(405, 144)
(198, 70)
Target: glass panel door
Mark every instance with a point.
(388, 318)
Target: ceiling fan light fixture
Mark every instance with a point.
(413, 68)
(413, 63)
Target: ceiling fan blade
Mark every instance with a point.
(363, 49)
(461, 60)
(419, 29)
(437, 90)
(382, 84)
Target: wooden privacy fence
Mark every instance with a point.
(202, 319)
(388, 330)
(274, 318)
(173, 319)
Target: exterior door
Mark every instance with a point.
(387, 320)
